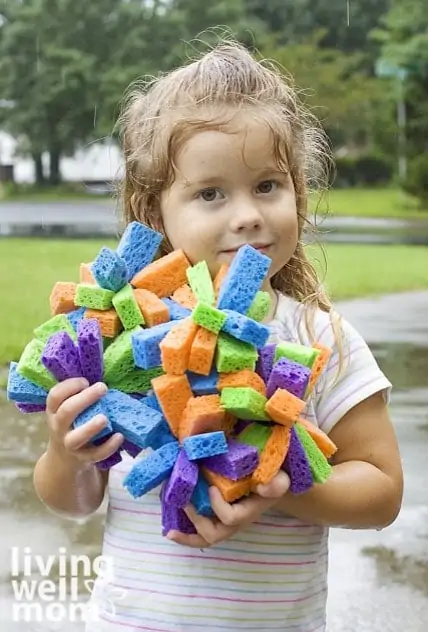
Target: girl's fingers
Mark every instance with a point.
(74, 405)
(79, 437)
(93, 454)
(62, 391)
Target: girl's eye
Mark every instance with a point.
(267, 186)
(210, 195)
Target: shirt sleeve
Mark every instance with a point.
(359, 377)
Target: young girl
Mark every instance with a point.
(219, 154)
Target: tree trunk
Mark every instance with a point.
(54, 167)
(38, 169)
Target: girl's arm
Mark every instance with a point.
(366, 488)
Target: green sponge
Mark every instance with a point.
(119, 357)
(255, 435)
(209, 317)
(244, 403)
(297, 353)
(259, 308)
(59, 322)
(200, 281)
(320, 467)
(127, 308)
(233, 355)
(30, 365)
(93, 297)
(135, 381)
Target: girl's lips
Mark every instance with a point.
(260, 248)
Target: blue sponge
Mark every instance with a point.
(204, 384)
(138, 247)
(19, 389)
(109, 270)
(161, 436)
(145, 345)
(201, 498)
(152, 470)
(204, 445)
(99, 408)
(76, 316)
(137, 422)
(152, 401)
(246, 329)
(176, 311)
(239, 288)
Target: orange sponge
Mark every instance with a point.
(202, 414)
(109, 321)
(318, 366)
(62, 298)
(230, 490)
(228, 424)
(175, 347)
(325, 444)
(173, 392)
(185, 297)
(86, 275)
(154, 311)
(242, 379)
(220, 278)
(272, 457)
(202, 351)
(163, 276)
(284, 408)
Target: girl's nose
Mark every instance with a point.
(246, 216)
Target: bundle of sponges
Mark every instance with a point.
(189, 372)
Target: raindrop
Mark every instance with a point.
(348, 12)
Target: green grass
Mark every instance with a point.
(30, 267)
(388, 202)
(67, 192)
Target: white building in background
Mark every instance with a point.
(97, 161)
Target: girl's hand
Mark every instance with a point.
(65, 402)
(231, 518)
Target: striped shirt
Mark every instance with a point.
(271, 575)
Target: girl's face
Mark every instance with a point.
(228, 192)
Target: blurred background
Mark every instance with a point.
(362, 67)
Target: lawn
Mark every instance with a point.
(32, 266)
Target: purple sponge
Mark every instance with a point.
(240, 460)
(61, 357)
(27, 409)
(145, 345)
(182, 481)
(289, 375)
(149, 472)
(174, 518)
(137, 422)
(204, 445)
(245, 329)
(130, 448)
(90, 344)
(110, 461)
(297, 467)
(265, 362)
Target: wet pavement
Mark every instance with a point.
(378, 580)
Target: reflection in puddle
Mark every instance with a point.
(403, 569)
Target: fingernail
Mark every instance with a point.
(101, 387)
(84, 383)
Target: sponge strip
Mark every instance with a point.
(98, 408)
(242, 379)
(135, 381)
(76, 316)
(200, 282)
(138, 247)
(318, 366)
(148, 473)
(201, 498)
(145, 345)
(85, 274)
(30, 365)
(266, 361)
(182, 482)
(239, 461)
(272, 457)
(173, 518)
(209, 317)
(233, 355)
(176, 311)
(62, 296)
(244, 403)
(221, 275)
(61, 357)
(291, 376)
(175, 347)
(297, 353)
(205, 445)
(118, 357)
(137, 422)
(109, 270)
(259, 308)
(284, 408)
(230, 490)
(127, 308)
(58, 323)
(323, 441)
(320, 467)
(93, 297)
(245, 329)
(164, 276)
(90, 344)
(28, 409)
(173, 393)
(202, 414)
(202, 352)
(154, 311)
(184, 296)
(297, 467)
(239, 288)
(204, 384)
(108, 320)
(255, 435)
(21, 390)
